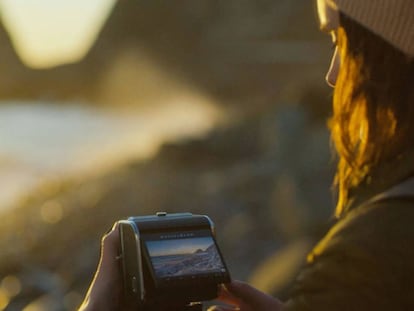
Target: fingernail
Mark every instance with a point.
(112, 227)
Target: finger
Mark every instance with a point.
(234, 303)
(106, 286)
(223, 308)
(227, 297)
(243, 291)
(108, 266)
(112, 236)
(110, 245)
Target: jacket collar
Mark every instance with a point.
(381, 179)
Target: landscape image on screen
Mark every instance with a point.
(180, 257)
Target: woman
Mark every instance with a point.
(365, 262)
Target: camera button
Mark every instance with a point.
(134, 283)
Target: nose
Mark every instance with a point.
(333, 71)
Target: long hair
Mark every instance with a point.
(373, 106)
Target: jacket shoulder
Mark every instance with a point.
(364, 262)
(385, 224)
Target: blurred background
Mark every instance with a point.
(116, 108)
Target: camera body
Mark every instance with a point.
(170, 260)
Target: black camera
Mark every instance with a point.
(170, 261)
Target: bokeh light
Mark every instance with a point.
(4, 299)
(11, 285)
(51, 212)
(75, 27)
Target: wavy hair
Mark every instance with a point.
(373, 106)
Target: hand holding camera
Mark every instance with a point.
(161, 262)
(170, 261)
(105, 291)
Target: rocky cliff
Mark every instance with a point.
(232, 50)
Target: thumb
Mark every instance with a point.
(110, 247)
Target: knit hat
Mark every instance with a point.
(393, 20)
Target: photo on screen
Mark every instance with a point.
(181, 257)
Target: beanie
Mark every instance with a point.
(393, 20)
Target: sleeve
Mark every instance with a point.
(363, 263)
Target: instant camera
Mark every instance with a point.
(170, 261)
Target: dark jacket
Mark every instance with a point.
(366, 260)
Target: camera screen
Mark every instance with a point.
(181, 255)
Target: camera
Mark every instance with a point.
(170, 261)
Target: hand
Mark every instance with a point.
(105, 291)
(241, 296)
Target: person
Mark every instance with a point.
(365, 262)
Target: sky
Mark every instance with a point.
(179, 246)
(46, 33)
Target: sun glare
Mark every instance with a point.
(47, 33)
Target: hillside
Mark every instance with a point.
(230, 50)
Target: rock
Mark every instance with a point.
(257, 196)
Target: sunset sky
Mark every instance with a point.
(50, 32)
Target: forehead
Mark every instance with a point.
(328, 15)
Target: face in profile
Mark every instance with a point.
(329, 23)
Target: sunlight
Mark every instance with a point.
(4, 300)
(11, 285)
(47, 33)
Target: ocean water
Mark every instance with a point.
(46, 140)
